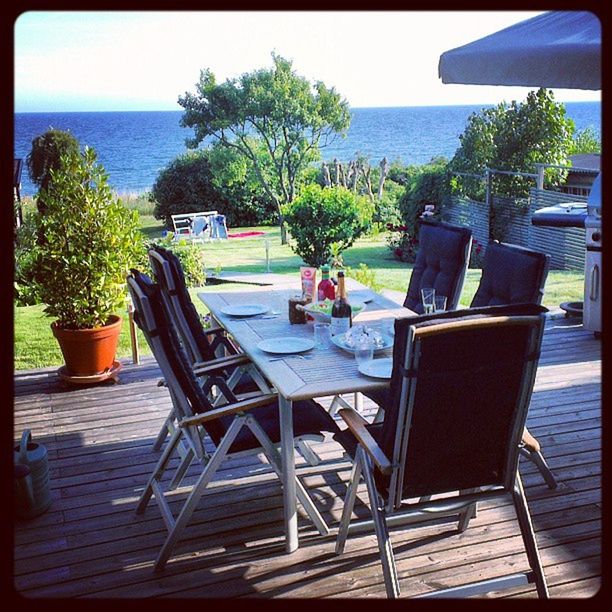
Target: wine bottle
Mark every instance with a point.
(341, 314)
(325, 289)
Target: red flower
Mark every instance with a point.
(398, 252)
(402, 228)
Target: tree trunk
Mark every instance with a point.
(326, 175)
(384, 170)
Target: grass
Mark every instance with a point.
(36, 347)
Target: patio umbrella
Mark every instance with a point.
(555, 49)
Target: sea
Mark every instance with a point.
(135, 146)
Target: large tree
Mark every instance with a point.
(514, 137)
(275, 118)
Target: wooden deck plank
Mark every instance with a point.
(91, 544)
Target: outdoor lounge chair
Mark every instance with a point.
(441, 263)
(460, 391)
(247, 426)
(512, 274)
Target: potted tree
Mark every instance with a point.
(90, 242)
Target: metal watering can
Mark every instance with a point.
(32, 492)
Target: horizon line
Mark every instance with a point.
(169, 110)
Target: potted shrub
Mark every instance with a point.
(90, 242)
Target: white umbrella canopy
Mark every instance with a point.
(560, 49)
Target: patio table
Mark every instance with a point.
(323, 372)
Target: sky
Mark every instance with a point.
(143, 60)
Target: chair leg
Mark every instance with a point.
(349, 503)
(380, 526)
(309, 455)
(196, 493)
(167, 428)
(533, 556)
(537, 458)
(181, 470)
(158, 472)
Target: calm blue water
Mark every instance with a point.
(134, 146)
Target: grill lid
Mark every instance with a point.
(594, 199)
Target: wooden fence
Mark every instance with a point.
(565, 245)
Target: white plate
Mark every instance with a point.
(286, 345)
(338, 340)
(377, 368)
(364, 296)
(244, 310)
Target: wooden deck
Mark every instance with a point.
(91, 544)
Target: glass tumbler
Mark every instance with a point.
(364, 351)
(439, 303)
(321, 334)
(427, 296)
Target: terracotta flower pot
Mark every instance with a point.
(88, 352)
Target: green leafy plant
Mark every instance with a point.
(191, 257)
(320, 217)
(514, 137)
(366, 276)
(45, 156)
(91, 241)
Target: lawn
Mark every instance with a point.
(36, 347)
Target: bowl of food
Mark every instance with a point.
(321, 311)
(356, 334)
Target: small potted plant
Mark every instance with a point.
(89, 241)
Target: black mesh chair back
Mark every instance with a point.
(511, 274)
(442, 261)
(451, 435)
(460, 392)
(152, 317)
(169, 275)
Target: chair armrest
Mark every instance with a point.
(357, 424)
(207, 367)
(228, 410)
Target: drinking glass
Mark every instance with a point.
(278, 303)
(321, 334)
(427, 296)
(439, 303)
(364, 351)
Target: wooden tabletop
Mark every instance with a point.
(321, 371)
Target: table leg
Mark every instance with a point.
(285, 407)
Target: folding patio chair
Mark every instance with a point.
(441, 263)
(512, 274)
(247, 426)
(204, 347)
(450, 437)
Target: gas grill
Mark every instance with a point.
(587, 215)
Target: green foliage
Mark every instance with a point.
(26, 292)
(46, 152)
(184, 186)
(365, 276)
(286, 116)
(585, 141)
(234, 177)
(320, 217)
(514, 137)
(427, 184)
(90, 242)
(191, 257)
